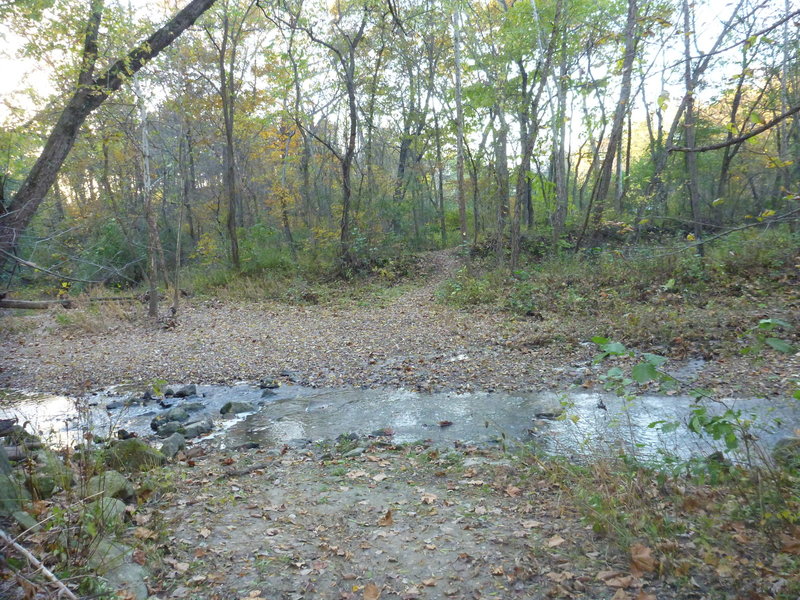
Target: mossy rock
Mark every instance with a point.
(12, 495)
(41, 485)
(107, 555)
(53, 466)
(108, 511)
(111, 484)
(133, 455)
(5, 464)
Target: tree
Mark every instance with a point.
(90, 92)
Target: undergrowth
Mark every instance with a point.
(651, 297)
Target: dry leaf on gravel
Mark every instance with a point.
(555, 541)
(429, 582)
(380, 477)
(371, 592)
(356, 474)
(386, 520)
(429, 498)
(513, 491)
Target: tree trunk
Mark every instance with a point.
(501, 174)
(690, 158)
(460, 197)
(89, 94)
(603, 183)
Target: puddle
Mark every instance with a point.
(298, 415)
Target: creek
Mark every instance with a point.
(573, 423)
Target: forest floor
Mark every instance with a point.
(396, 337)
(413, 521)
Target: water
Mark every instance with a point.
(297, 415)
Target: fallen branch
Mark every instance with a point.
(43, 304)
(63, 589)
(35, 304)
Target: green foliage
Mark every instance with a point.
(466, 290)
(763, 335)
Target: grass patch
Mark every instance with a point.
(647, 298)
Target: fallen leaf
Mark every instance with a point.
(620, 582)
(380, 477)
(513, 491)
(356, 474)
(204, 532)
(371, 592)
(531, 524)
(429, 498)
(642, 595)
(143, 533)
(620, 595)
(429, 582)
(386, 520)
(555, 541)
(790, 543)
(641, 560)
(498, 571)
(560, 577)
(181, 567)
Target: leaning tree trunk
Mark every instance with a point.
(603, 183)
(90, 93)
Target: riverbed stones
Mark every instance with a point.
(172, 445)
(181, 391)
(234, 408)
(167, 429)
(178, 414)
(133, 455)
(198, 428)
(111, 484)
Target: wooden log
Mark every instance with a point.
(35, 304)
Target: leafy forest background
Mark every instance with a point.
(276, 138)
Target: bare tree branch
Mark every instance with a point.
(741, 138)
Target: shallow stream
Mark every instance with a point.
(572, 423)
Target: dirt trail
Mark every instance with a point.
(393, 523)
